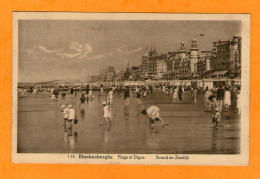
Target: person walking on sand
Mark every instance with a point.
(213, 104)
(90, 94)
(153, 112)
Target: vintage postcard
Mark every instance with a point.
(130, 88)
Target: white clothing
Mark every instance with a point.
(110, 94)
(153, 112)
(163, 88)
(107, 112)
(90, 93)
(227, 100)
(175, 93)
(66, 112)
(72, 114)
(207, 94)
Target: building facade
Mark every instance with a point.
(161, 67)
(204, 62)
(228, 56)
(193, 58)
(181, 64)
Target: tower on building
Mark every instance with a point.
(182, 50)
(194, 54)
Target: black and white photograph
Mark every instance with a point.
(130, 88)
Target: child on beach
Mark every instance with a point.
(153, 112)
(106, 113)
(215, 118)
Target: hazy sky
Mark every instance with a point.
(58, 49)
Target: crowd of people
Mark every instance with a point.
(216, 100)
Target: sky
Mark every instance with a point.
(74, 50)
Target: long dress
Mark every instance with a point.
(227, 100)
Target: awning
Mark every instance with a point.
(218, 73)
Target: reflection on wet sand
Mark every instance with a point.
(106, 129)
(70, 135)
(188, 132)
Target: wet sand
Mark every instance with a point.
(41, 127)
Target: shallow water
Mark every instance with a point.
(41, 127)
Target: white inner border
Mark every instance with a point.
(194, 159)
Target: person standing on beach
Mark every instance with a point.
(71, 116)
(101, 88)
(65, 111)
(82, 100)
(215, 118)
(110, 97)
(138, 95)
(191, 90)
(180, 93)
(175, 94)
(239, 101)
(106, 113)
(207, 101)
(227, 100)
(213, 104)
(220, 97)
(195, 95)
(127, 95)
(56, 93)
